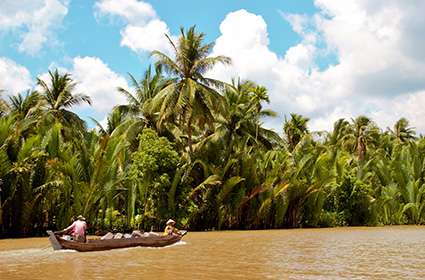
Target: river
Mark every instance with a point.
(334, 253)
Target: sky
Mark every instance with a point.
(324, 59)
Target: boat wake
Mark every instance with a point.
(31, 253)
(22, 254)
(180, 243)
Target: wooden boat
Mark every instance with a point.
(99, 245)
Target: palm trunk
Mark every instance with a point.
(229, 147)
(361, 149)
(189, 137)
(293, 214)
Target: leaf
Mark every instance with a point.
(280, 188)
(211, 180)
(228, 186)
(172, 191)
(5, 164)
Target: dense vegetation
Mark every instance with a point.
(193, 148)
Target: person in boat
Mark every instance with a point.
(170, 229)
(77, 229)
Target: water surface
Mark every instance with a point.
(338, 253)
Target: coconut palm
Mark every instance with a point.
(113, 121)
(339, 133)
(241, 118)
(294, 129)
(364, 133)
(191, 98)
(58, 97)
(144, 90)
(25, 106)
(402, 132)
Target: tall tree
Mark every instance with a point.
(294, 129)
(191, 97)
(58, 95)
(402, 132)
(241, 117)
(364, 133)
(143, 92)
(339, 133)
(24, 106)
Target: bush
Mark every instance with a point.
(152, 170)
(351, 202)
(331, 219)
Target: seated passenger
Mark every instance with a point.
(170, 228)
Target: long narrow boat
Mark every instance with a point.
(99, 245)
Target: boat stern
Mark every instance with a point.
(54, 241)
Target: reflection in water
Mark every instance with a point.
(342, 253)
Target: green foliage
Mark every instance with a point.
(190, 98)
(352, 201)
(294, 129)
(155, 156)
(195, 149)
(152, 170)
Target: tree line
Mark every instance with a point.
(194, 148)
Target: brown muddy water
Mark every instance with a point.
(338, 253)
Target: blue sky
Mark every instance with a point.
(325, 59)
(81, 34)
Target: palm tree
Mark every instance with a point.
(25, 106)
(113, 121)
(84, 182)
(258, 95)
(339, 133)
(402, 132)
(144, 90)
(403, 187)
(294, 129)
(58, 96)
(241, 117)
(22, 161)
(364, 133)
(191, 97)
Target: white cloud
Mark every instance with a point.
(410, 106)
(97, 80)
(144, 31)
(94, 78)
(33, 20)
(133, 11)
(14, 77)
(244, 38)
(148, 37)
(378, 68)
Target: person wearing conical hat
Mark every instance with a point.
(77, 230)
(170, 229)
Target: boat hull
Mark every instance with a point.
(101, 245)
